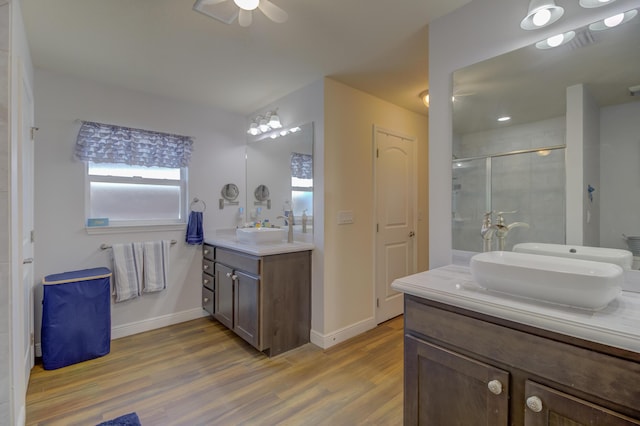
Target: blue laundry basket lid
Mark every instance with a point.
(73, 276)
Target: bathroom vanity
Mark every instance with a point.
(476, 358)
(262, 293)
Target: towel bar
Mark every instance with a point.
(107, 246)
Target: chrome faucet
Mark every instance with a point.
(289, 222)
(487, 232)
(502, 229)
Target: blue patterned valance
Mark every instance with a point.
(301, 165)
(106, 143)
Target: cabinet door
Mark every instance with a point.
(246, 317)
(224, 295)
(547, 406)
(445, 388)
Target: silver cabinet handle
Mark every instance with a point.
(495, 387)
(205, 267)
(534, 403)
(234, 277)
(206, 251)
(27, 260)
(205, 300)
(229, 275)
(205, 281)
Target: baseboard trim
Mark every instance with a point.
(148, 324)
(156, 322)
(326, 341)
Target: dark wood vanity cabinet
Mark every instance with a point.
(266, 300)
(464, 368)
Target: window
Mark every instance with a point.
(136, 194)
(133, 176)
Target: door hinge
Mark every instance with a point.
(33, 131)
(377, 153)
(377, 227)
(377, 302)
(32, 339)
(33, 236)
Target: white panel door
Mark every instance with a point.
(395, 186)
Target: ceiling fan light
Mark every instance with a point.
(540, 14)
(247, 4)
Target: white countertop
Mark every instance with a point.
(616, 325)
(227, 238)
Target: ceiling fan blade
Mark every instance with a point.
(273, 12)
(210, 2)
(244, 18)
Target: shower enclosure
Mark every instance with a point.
(528, 185)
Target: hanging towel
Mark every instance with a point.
(194, 228)
(156, 265)
(127, 270)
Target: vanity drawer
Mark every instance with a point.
(241, 261)
(207, 281)
(207, 266)
(207, 300)
(208, 252)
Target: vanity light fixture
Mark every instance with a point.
(247, 4)
(424, 96)
(503, 119)
(556, 40)
(541, 13)
(614, 21)
(589, 4)
(264, 123)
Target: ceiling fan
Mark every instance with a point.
(228, 11)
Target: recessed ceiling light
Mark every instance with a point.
(505, 118)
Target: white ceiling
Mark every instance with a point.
(166, 48)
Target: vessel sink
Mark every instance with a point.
(260, 235)
(622, 258)
(572, 282)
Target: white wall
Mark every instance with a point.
(62, 243)
(479, 30)
(619, 191)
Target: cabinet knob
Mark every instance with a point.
(234, 277)
(205, 300)
(534, 403)
(205, 267)
(206, 251)
(205, 281)
(228, 274)
(495, 387)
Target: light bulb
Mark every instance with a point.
(247, 4)
(556, 40)
(614, 20)
(541, 17)
(263, 126)
(274, 121)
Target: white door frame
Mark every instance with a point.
(374, 144)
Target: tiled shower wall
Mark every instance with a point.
(532, 184)
(4, 213)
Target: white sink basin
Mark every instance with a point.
(260, 235)
(573, 282)
(622, 258)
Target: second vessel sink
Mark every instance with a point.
(260, 235)
(572, 282)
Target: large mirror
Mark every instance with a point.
(280, 177)
(520, 165)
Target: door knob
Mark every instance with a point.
(495, 387)
(411, 234)
(534, 403)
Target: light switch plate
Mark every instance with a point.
(345, 217)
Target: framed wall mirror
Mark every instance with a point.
(284, 165)
(520, 164)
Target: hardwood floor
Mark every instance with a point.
(200, 373)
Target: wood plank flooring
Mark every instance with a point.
(200, 373)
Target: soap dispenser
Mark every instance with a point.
(304, 221)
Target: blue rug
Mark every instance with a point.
(130, 419)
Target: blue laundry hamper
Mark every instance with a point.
(76, 317)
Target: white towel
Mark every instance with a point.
(127, 270)
(156, 265)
